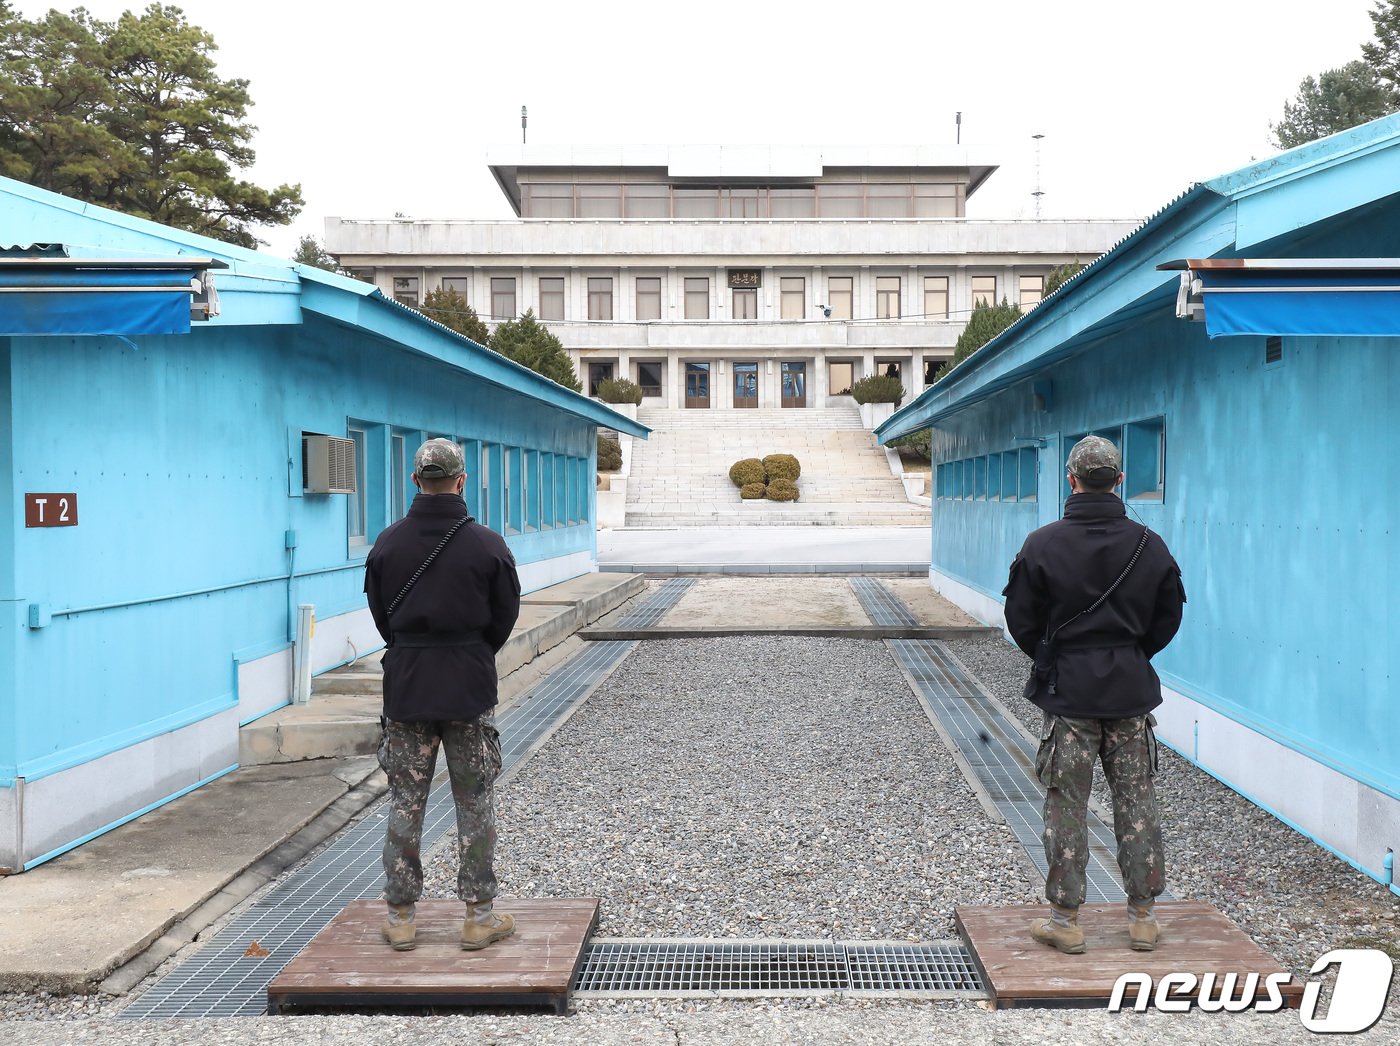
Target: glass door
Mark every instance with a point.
(697, 384)
(746, 384)
(794, 384)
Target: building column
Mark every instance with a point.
(816, 381)
(675, 384)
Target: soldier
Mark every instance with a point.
(444, 615)
(1095, 683)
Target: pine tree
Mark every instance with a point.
(529, 342)
(450, 309)
(1334, 101)
(985, 323)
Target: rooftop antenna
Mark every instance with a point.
(958, 120)
(1038, 192)
(522, 125)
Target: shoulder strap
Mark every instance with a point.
(1142, 544)
(426, 564)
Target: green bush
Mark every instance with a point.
(781, 466)
(609, 454)
(746, 471)
(878, 388)
(782, 490)
(620, 390)
(919, 442)
(751, 491)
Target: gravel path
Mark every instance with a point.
(752, 787)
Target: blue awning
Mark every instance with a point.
(100, 296)
(1319, 297)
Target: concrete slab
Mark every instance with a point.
(737, 602)
(594, 594)
(779, 548)
(67, 924)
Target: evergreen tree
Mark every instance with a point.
(310, 252)
(451, 310)
(985, 323)
(529, 342)
(1056, 277)
(131, 115)
(1334, 101)
(1383, 54)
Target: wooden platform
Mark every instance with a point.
(349, 964)
(1196, 938)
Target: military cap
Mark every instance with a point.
(438, 459)
(1092, 457)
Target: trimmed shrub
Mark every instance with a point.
(751, 491)
(919, 443)
(782, 490)
(781, 466)
(878, 388)
(620, 390)
(609, 454)
(746, 471)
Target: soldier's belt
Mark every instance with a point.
(427, 639)
(1098, 644)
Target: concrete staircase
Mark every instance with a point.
(680, 476)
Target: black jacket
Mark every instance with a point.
(1103, 669)
(470, 588)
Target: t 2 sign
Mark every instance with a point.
(51, 510)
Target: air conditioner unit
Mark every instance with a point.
(327, 464)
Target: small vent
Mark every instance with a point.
(1273, 350)
(327, 464)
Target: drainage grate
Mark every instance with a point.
(881, 605)
(652, 968)
(1003, 758)
(667, 595)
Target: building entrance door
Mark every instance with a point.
(746, 384)
(697, 384)
(794, 384)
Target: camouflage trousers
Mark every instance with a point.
(409, 757)
(1065, 765)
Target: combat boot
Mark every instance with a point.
(400, 929)
(482, 926)
(1143, 930)
(1063, 936)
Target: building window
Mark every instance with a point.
(887, 297)
(746, 303)
(892, 369)
(551, 297)
(356, 504)
(363, 275)
(600, 297)
(839, 377)
(838, 296)
(742, 203)
(841, 200)
(1144, 460)
(1031, 289)
(935, 201)
(485, 518)
(649, 378)
(794, 297)
(697, 297)
(503, 297)
(935, 297)
(597, 374)
(599, 201)
(548, 200)
(695, 203)
(406, 290)
(792, 203)
(984, 290)
(398, 481)
(1010, 485)
(646, 201)
(455, 284)
(648, 297)
(887, 201)
(1028, 484)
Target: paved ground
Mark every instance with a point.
(837, 550)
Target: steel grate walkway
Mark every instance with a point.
(652, 968)
(1003, 759)
(881, 605)
(666, 596)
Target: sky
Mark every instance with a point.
(382, 108)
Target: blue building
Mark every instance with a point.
(1240, 347)
(175, 489)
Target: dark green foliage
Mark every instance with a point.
(877, 388)
(918, 441)
(620, 390)
(131, 115)
(746, 471)
(529, 342)
(781, 466)
(782, 490)
(1383, 54)
(1335, 100)
(609, 454)
(1058, 275)
(986, 322)
(310, 252)
(752, 491)
(451, 310)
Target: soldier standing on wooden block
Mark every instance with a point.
(444, 594)
(1092, 597)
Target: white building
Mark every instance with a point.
(719, 277)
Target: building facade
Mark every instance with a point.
(1240, 348)
(723, 278)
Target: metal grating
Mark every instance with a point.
(666, 596)
(1003, 759)
(736, 968)
(881, 605)
(221, 980)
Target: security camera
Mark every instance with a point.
(826, 310)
